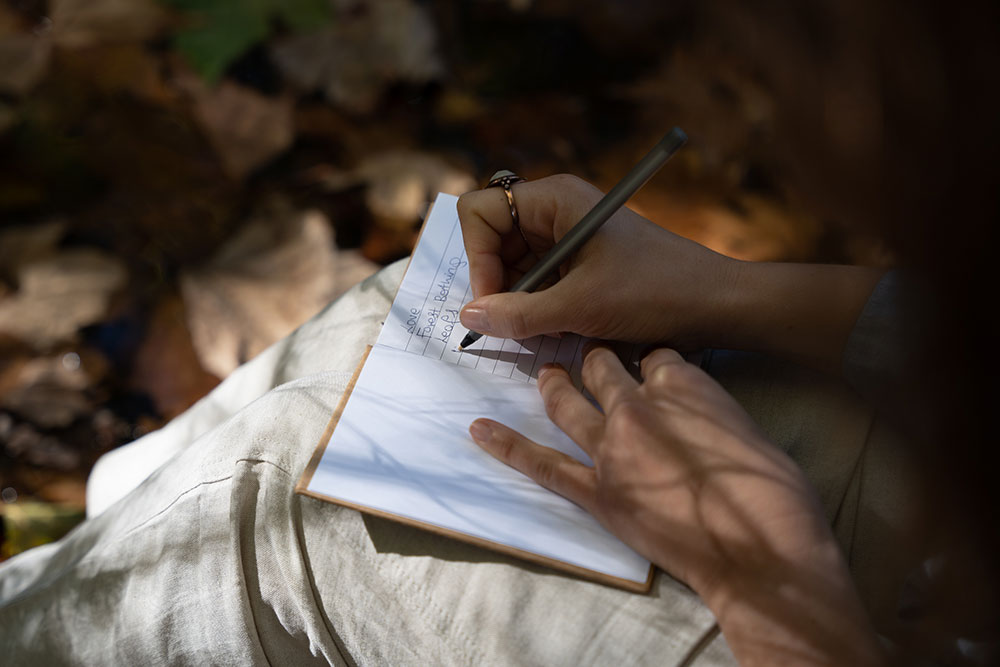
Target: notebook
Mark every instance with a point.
(398, 445)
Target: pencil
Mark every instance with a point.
(602, 211)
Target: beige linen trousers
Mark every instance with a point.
(197, 550)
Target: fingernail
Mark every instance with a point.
(480, 431)
(474, 318)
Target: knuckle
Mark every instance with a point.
(597, 360)
(660, 360)
(466, 204)
(544, 472)
(676, 377)
(517, 321)
(506, 446)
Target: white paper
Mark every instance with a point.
(424, 316)
(402, 445)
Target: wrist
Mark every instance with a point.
(731, 316)
(803, 312)
(701, 315)
(747, 306)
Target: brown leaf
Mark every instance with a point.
(50, 392)
(59, 294)
(27, 444)
(385, 245)
(363, 50)
(267, 280)
(78, 23)
(166, 366)
(48, 405)
(119, 69)
(402, 183)
(246, 128)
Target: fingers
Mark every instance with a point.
(520, 314)
(656, 365)
(482, 245)
(489, 237)
(490, 207)
(545, 205)
(605, 377)
(568, 409)
(550, 468)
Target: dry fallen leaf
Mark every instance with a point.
(59, 294)
(78, 23)
(166, 367)
(246, 128)
(122, 70)
(401, 184)
(48, 405)
(267, 280)
(45, 391)
(367, 46)
(28, 444)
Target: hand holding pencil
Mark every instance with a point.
(571, 240)
(632, 281)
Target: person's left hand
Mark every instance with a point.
(681, 473)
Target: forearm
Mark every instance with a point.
(803, 312)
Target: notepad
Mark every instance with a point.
(400, 448)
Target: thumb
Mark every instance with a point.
(517, 314)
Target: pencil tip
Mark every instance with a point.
(460, 348)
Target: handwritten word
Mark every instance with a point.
(450, 318)
(411, 320)
(432, 318)
(454, 264)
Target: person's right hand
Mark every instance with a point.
(632, 281)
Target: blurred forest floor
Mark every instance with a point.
(184, 182)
